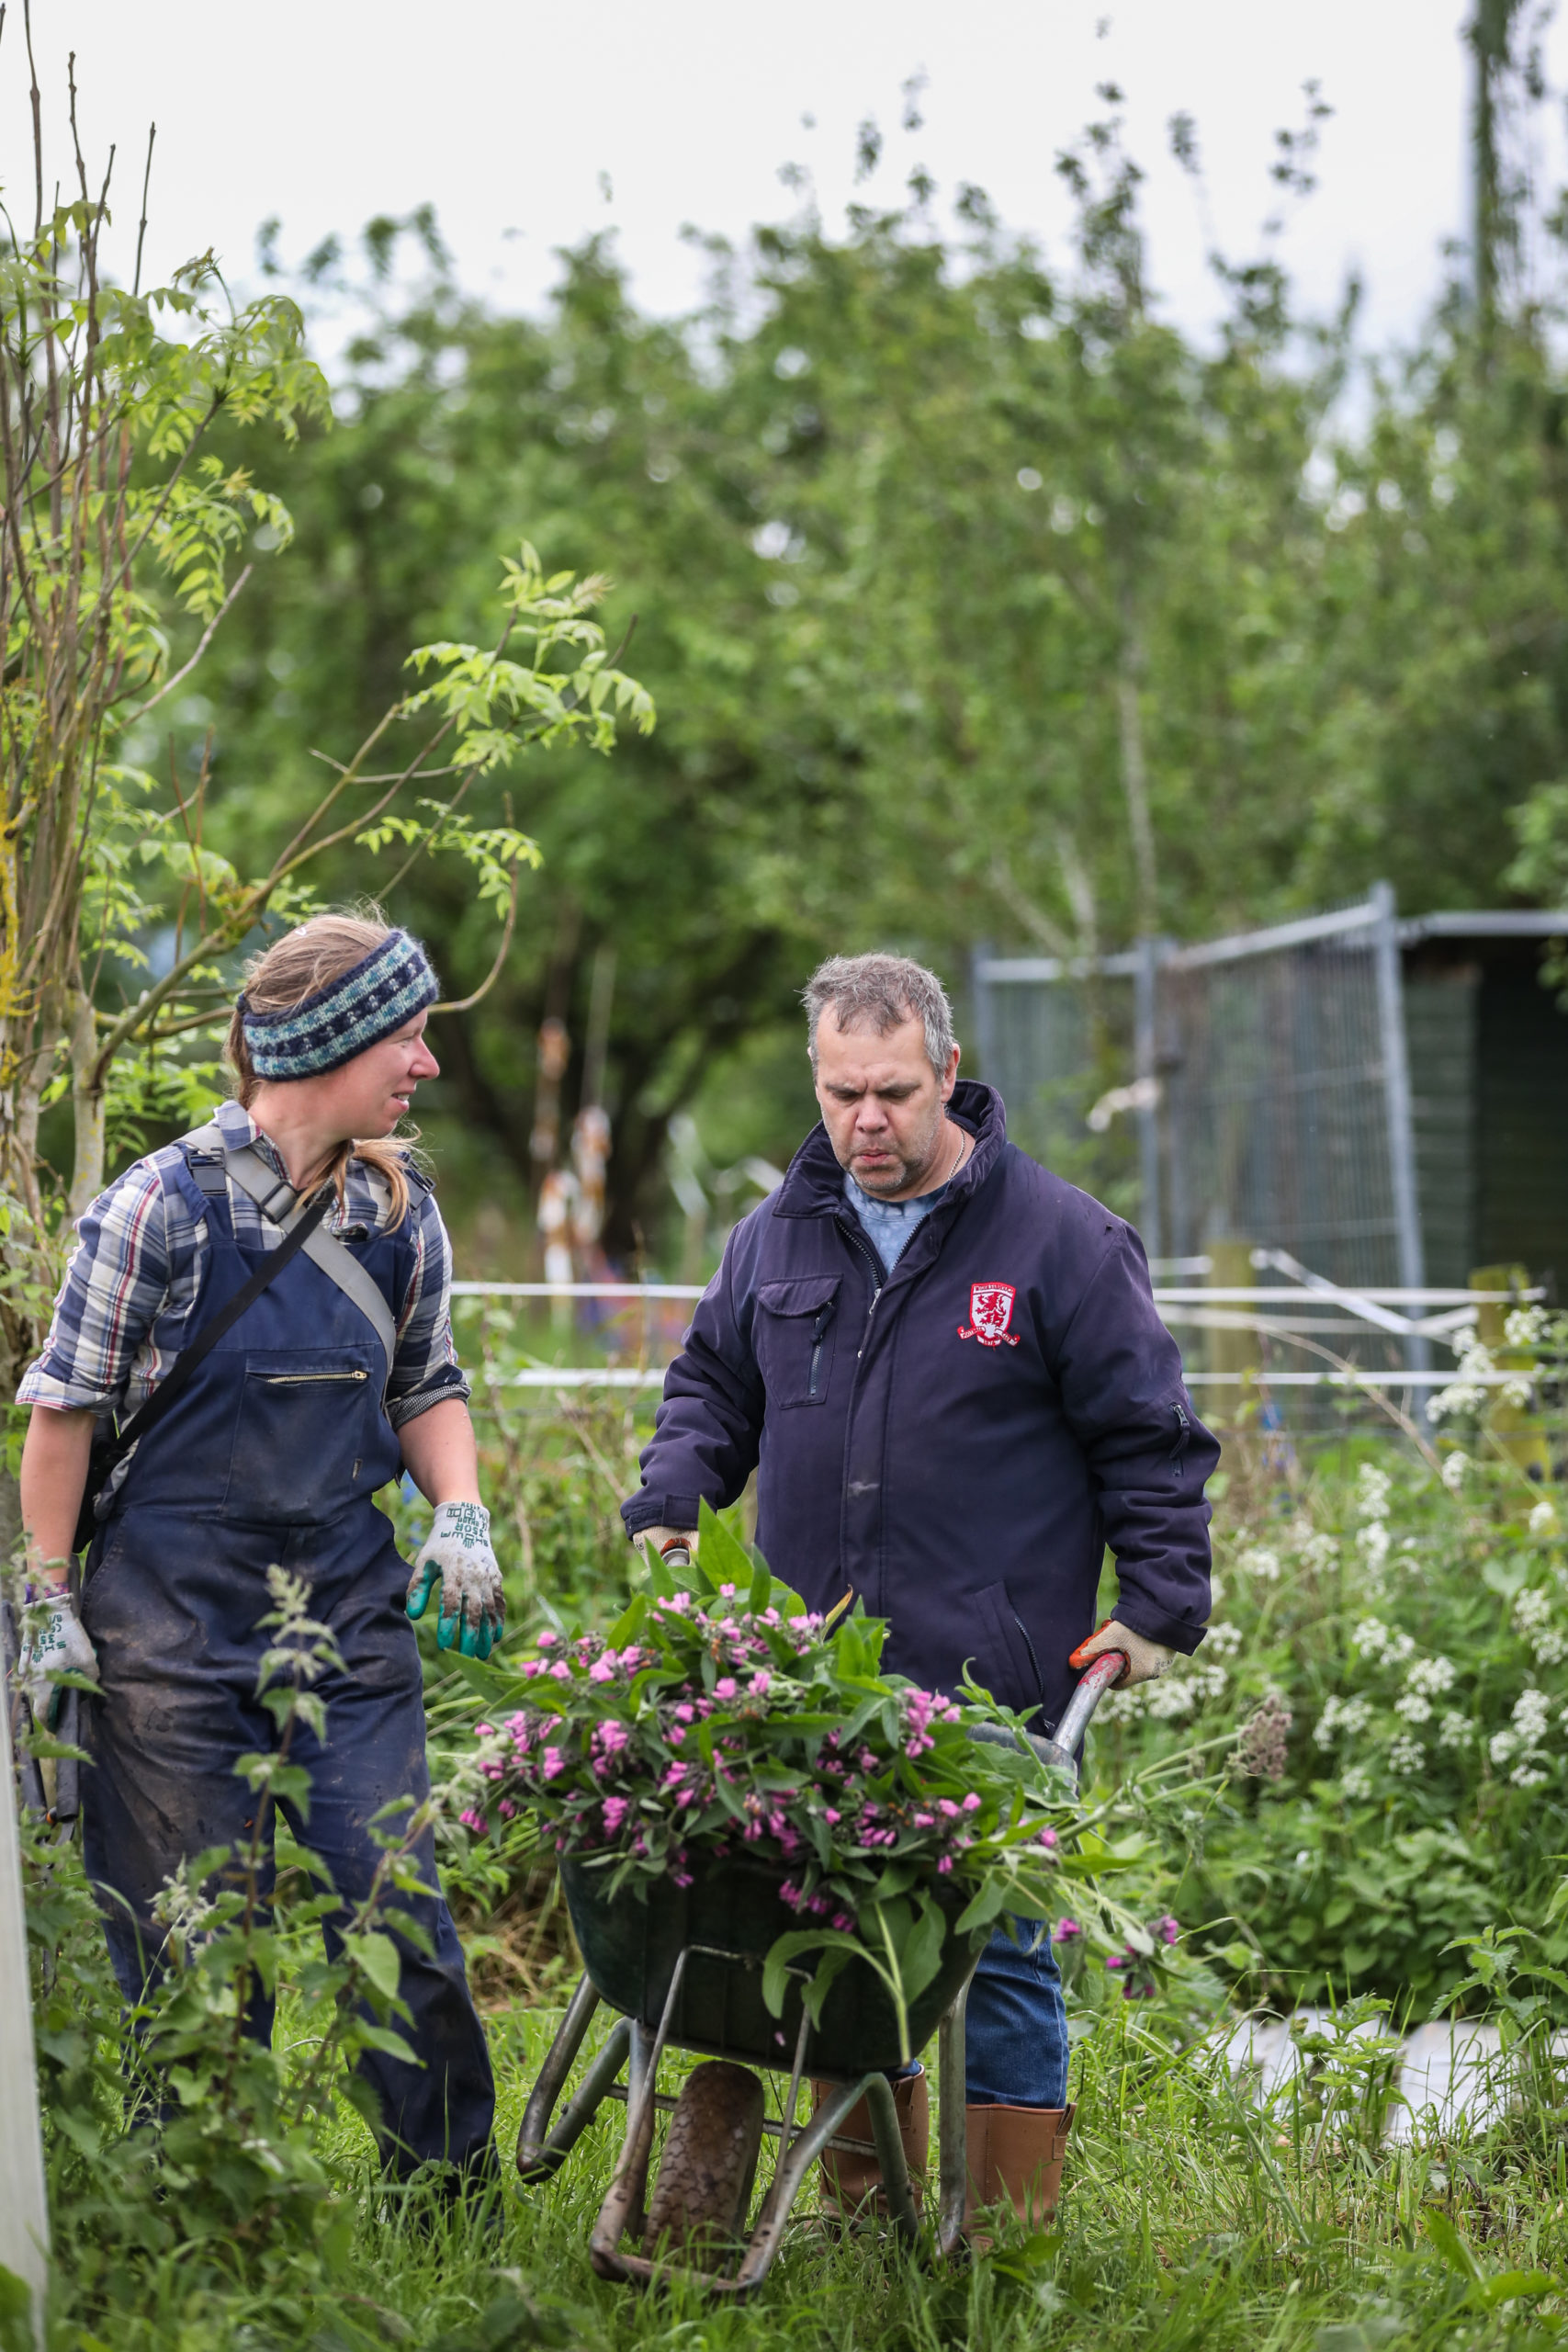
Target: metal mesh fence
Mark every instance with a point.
(1270, 1097)
(1275, 1122)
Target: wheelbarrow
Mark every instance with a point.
(684, 1971)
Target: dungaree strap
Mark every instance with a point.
(277, 1201)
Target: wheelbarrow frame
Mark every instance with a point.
(543, 2144)
(542, 2148)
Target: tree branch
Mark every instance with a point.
(467, 1003)
(207, 636)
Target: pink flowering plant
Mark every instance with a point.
(719, 1719)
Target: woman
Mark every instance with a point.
(335, 1377)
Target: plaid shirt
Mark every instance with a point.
(137, 1271)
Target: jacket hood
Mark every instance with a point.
(814, 1181)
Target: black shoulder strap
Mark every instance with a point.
(169, 1388)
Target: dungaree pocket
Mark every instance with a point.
(307, 1437)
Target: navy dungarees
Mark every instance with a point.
(273, 1454)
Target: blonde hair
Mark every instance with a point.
(309, 958)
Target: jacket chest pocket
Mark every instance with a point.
(794, 1336)
(306, 1439)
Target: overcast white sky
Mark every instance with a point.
(514, 119)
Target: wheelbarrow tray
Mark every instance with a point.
(727, 1919)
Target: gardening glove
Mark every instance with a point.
(667, 1543)
(1146, 1660)
(54, 1643)
(473, 1606)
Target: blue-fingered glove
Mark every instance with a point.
(473, 1609)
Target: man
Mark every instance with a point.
(946, 1366)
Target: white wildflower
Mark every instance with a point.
(1525, 1327)
(1456, 1465)
(1413, 1708)
(1468, 1393)
(1216, 1591)
(1543, 1522)
(1376, 1640)
(1372, 1543)
(1206, 1681)
(1532, 1616)
(1501, 1746)
(1406, 1755)
(1432, 1676)
(1321, 1553)
(1221, 1641)
(1532, 1712)
(1261, 1563)
(1373, 1488)
(1171, 1697)
(1531, 1610)
(1456, 1730)
(1525, 1776)
(1517, 1393)
(1342, 1719)
(1357, 1783)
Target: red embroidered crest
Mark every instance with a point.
(990, 1312)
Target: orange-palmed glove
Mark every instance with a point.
(676, 1545)
(1146, 1660)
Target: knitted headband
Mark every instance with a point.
(363, 1005)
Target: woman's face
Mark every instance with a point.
(368, 1095)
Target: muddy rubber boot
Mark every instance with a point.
(1015, 2156)
(848, 2179)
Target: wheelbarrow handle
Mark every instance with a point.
(1058, 1751)
(1099, 1677)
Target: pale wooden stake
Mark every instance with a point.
(24, 2206)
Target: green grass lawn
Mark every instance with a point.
(1193, 2217)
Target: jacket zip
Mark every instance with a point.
(878, 1281)
(824, 1316)
(1183, 1431)
(306, 1379)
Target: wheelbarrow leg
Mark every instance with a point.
(559, 2061)
(792, 2168)
(953, 2131)
(624, 2207)
(543, 2160)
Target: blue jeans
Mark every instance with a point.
(1015, 2032)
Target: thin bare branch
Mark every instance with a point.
(180, 675)
(142, 230)
(427, 775)
(406, 869)
(185, 820)
(37, 104)
(467, 1003)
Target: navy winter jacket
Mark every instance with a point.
(956, 1442)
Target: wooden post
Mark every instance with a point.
(24, 2206)
(1519, 1431)
(1230, 1268)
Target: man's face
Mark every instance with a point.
(882, 1104)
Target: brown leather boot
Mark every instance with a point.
(1015, 2155)
(850, 2180)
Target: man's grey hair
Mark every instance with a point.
(881, 992)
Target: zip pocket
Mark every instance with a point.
(1183, 1431)
(306, 1379)
(819, 1328)
(792, 1338)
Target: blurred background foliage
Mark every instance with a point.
(978, 602)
